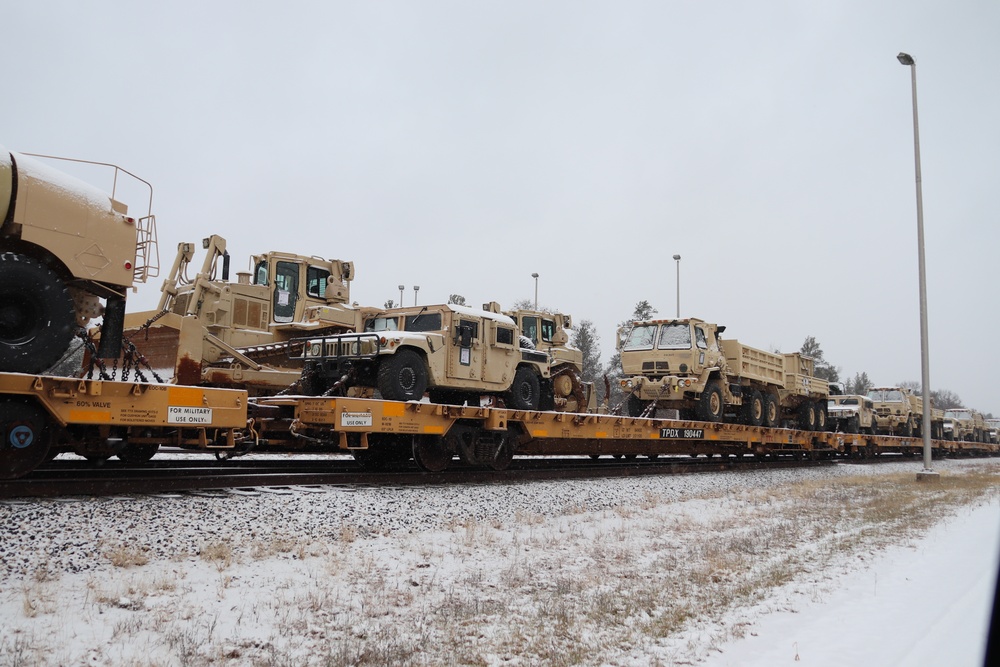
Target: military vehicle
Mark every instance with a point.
(64, 246)
(968, 425)
(454, 353)
(212, 332)
(685, 365)
(549, 332)
(901, 412)
(993, 426)
(851, 413)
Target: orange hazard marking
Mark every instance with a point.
(539, 433)
(434, 429)
(393, 409)
(185, 396)
(89, 416)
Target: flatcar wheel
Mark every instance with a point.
(503, 455)
(135, 454)
(24, 437)
(430, 453)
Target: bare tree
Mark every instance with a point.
(824, 369)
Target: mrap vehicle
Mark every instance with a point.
(65, 245)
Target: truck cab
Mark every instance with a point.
(899, 410)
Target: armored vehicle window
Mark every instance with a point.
(505, 336)
(548, 330)
(423, 322)
(316, 280)
(674, 337)
(700, 340)
(875, 395)
(640, 338)
(471, 325)
(529, 328)
(260, 273)
(382, 324)
(850, 401)
(286, 287)
(893, 397)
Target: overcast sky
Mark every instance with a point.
(462, 146)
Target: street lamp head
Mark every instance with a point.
(534, 275)
(905, 58)
(402, 287)
(677, 257)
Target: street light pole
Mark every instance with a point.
(416, 288)
(535, 276)
(677, 258)
(925, 374)
(401, 288)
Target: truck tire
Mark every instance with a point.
(807, 417)
(821, 415)
(753, 409)
(525, 391)
(37, 318)
(710, 405)
(402, 376)
(771, 414)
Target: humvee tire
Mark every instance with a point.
(525, 391)
(37, 317)
(402, 376)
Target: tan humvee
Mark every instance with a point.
(64, 246)
(209, 331)
(454, 353)
(683, 364)
(852, 413)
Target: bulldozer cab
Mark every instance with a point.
(297, 283)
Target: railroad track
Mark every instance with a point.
(69, 478)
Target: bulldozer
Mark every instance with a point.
(209, 331)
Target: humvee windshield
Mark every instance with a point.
(675, 337)
(422, 322)
(382, 324)
(957, 414)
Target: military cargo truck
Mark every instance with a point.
(213, 332)
(64, 247)
(901, 412)
(685, 365)
(454, 353)
(851, 413)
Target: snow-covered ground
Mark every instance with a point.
(754, 568)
